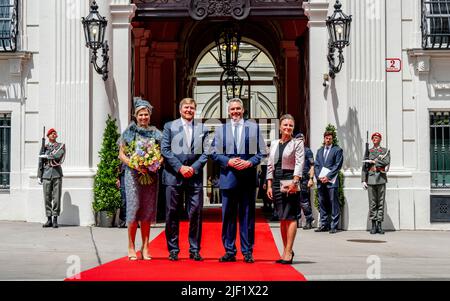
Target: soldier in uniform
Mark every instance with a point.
(374, 179)
(51, 177)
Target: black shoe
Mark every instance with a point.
(333, 231)
(288, 261)
(227, 258)
(322, 229)
(122, 224)
(379, 228)
(195, 256)
(308, 226)
(173, 256)
(55, 222)
(248, 258)
(374, 228)
(48, 224)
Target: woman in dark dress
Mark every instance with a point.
(141, 197)
(284, 171)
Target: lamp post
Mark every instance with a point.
(338, 25)
(94, 32)
(233, 84)
(227, 43)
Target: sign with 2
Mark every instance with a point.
(393, 65)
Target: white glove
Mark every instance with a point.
(43, 156)
(364, 184)
(39, 181)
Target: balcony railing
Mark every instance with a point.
(435, 24)
(8, 25)
(440, 149)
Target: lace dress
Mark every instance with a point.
(141, 199)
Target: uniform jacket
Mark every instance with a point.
(251, 148)
(177, 153)
(334, 162)
(52, 166)
(293, 157)
(376, 173)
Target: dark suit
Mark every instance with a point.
(238, 188)
(177, 153)
(329, 192)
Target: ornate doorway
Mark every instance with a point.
(173, 43)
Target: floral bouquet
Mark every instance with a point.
(145, 156)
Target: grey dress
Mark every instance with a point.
(141, 199)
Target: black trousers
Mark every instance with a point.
(175, 196)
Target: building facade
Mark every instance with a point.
(395, 80)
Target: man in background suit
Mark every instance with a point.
(182, 148)
(238, 147)
(329, 160)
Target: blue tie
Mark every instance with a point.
(235, 134)
(325, 154)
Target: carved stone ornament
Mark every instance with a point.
(238, 9)
(423, 64)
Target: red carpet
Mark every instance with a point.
(161, 269)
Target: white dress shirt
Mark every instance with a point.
(240, 129)
(187, 126)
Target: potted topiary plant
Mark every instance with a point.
(106, 193)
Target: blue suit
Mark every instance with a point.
(176, 152)
(238, 188)
(329, 192)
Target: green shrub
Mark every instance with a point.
(106, 193)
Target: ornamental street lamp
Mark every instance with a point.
(227, 43)
(339, 37)
(233, 84)
(94, 32)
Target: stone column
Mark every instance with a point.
(162, 80)
(292, 81)
(65, 104)
(121, 14)
(317, 11)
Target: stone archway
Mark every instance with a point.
(167, 51)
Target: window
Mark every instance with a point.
(435, 24)
(5, 150)
(440, 149)
(8, 25)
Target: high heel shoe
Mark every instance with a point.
(281, 260)
(132, 257)
(145, 257)
(288, 261)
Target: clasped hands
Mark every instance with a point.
(187, 171)
(239, 164)
(324, 180)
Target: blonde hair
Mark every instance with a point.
(287, 116)
(187, 100)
